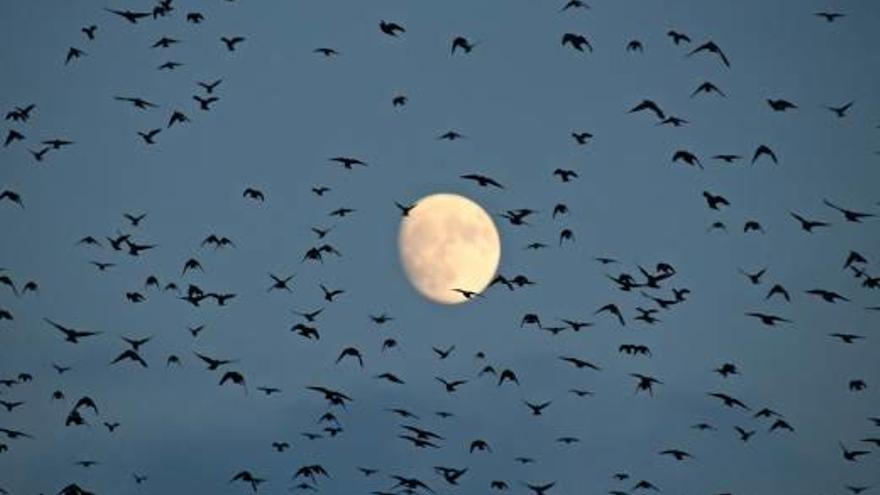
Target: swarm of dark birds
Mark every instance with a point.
(645, 296)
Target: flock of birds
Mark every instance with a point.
(651, 292)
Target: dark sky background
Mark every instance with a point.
(284, 110)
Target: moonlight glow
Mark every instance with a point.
(449, 242)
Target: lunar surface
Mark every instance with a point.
(449, 242)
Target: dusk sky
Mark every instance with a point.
(516, 98)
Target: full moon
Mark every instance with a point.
(449, 242)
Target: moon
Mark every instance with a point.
(448, 242)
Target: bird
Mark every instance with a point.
(540, 489)
(565, 235)
(71, 335)
(780, 424)
(310, 316)
(450, 386)
(755, 277)
(341, 212)
(133, 219)
(213, 363)
(218, 241)
(849, 215)
(234, 377)
(351, 352)
(12, 136)
(768, 319)
(247, 477)
(132, 17)
(565, 175)
(673, 121)
(102, 266)
(177, 117)
(280, 283)
(165, 42)
(678, 38)
(729, 158)
(137, 102)
(482, 180)
(840, 111)
(399, 100)
(744, 434)
(326, 52)
(9, 406)
(726, 370)
(509, 376)
(752, 225)
(852, 455)
(830, 16)
(826, 295)
(391, 28)
(57, 144)
(582, 138)
(579, 363)
(348, 162)
(576, 41)
(714, 201)
(149, 137)
(648, 105)
(686, 157)
(451, 136)
(781, 105)
(38, 155)
(209, 87)
(707, 87)
(711, 47)
(73, 53)
(516, 217)
(232, 42)
(728, 400)
(329, 295)
(390, 377)
(764, 150)
(645, 383)
(89, 31)
(808, 225)
(575, 325)
(254, 194)
(443, 353)
(205, 103)
(130, 355)
(480, 445)
(306, 331)
(463, 44)
(679, 455)
(847, 338)
(717, 225)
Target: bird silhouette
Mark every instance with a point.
(391, 28)
(576, 41)
(482, 180)
(232, 42)
(463, 44)
(711, 47)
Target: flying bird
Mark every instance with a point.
(711, 47)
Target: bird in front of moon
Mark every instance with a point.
(449, 245)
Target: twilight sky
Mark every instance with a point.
(517, 97)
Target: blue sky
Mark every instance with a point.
(284, 110)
